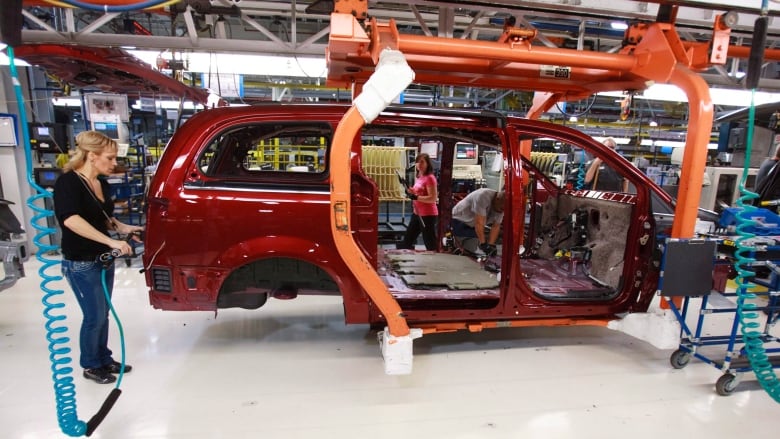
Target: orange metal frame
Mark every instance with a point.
(340, 201)
(656, 56)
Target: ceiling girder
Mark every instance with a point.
(474, 16)
(305, 34)
(698, 14)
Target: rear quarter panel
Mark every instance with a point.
(205, 231)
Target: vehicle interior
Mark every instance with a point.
(573, 243)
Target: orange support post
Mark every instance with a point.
(340, 228)
(695, 154)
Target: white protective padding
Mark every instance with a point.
(658, 327)
(391, 76)
(397, 351)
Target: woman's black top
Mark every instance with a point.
(72, 196)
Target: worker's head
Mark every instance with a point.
(423, 164)
(92, 146)
(609, 142)
(498, 201)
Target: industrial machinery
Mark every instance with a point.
(12, 252)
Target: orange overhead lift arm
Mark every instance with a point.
(388, 81)
(658, 56)
(340, 197)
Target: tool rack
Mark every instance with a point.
(695, 268)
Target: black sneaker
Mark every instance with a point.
(99, 375)
(115, 367)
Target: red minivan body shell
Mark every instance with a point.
(201, 233)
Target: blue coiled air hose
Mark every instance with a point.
(64, 388)
(581, 172)
(56, 331)
(108, 258)
(746, 311)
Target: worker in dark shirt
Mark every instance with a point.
(84, 210)
(602, 177)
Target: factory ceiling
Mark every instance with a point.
(301, 28)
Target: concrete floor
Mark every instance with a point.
(295, 370)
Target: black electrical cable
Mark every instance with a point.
(581, 113)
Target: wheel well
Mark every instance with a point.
(265, 275)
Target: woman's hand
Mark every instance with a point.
(126, 229)
(122, 246)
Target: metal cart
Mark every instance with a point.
(692, 269)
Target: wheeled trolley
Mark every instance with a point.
(691, 269)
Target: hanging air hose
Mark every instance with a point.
(576, 114)
(64, 389)
(746, 311)
(107, 259)
(56, 331)
(581, 172)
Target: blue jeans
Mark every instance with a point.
(84, 278)
(462, 229)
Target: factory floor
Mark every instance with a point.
(293, 369)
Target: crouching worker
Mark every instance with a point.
(480, 209)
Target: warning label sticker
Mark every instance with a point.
(558, 72)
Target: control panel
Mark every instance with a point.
(466, 172)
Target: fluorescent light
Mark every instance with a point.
(166, 105)
(66, 102)
(5, 61)
(673, 144)
(618, 25)
(170, 105)
(719, 96)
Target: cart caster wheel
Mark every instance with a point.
(726, 384)
(680, 358)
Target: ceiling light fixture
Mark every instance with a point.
(618, 25)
